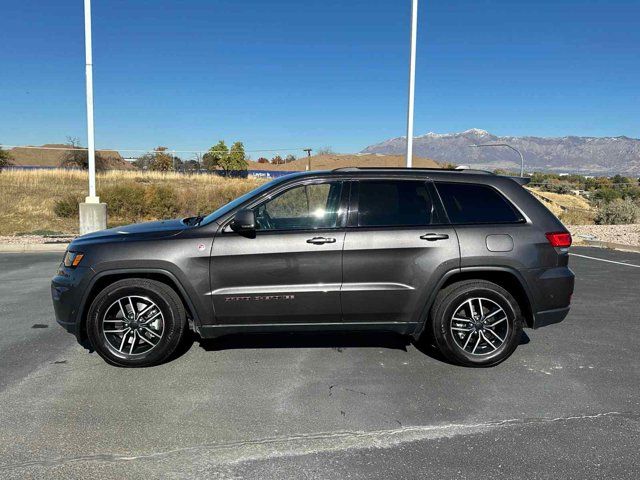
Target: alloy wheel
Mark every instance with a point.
(133, 325)
(479, 326)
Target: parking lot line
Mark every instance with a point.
(603, 260)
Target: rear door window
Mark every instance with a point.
(471, 203)
(384, 203)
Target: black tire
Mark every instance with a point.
(456, 296)
(172, 314)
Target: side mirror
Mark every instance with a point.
(244, 222)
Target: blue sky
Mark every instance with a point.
(280, 74)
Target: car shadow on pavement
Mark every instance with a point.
(427, 347)
(335, 340)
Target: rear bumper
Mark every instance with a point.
(551, 291)
(549, 317)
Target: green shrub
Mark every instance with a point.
(556, 187)
(160, 201)
(67, 206)
(125, 200)
(606, 195)
(618, 212)
(132, 201)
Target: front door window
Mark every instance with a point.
(305, 207)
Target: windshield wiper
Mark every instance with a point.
(193, 221)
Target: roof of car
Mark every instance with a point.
(449, 174)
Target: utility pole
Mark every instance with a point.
(93, 214)
(308, 150)
(508, 146)
(412, 81)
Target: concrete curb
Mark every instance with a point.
(32, 247)
(610, 245)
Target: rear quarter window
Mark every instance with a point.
(471, 203)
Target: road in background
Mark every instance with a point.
(565, 405)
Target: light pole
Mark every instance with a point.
(508, 146)
(308, 150)
(412, 81)
(93, 214)
(89, 79)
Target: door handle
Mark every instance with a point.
(432, 237)
(321, 240)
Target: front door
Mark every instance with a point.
(396, 249)
(292, 270)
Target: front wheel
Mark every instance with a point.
(136, 322)
(476, 323)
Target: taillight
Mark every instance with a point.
(559, 239)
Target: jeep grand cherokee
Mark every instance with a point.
(464, 259)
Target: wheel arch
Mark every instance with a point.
(508, 278)
(105, 278)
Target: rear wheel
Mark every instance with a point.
(136, 322)
(476, 323)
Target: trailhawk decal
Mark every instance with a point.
(259, 298)
(283, 290)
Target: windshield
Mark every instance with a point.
(240, 200)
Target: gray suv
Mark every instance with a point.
(463, 260)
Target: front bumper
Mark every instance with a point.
(67, 290)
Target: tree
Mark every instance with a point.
(620, 180)
(328, 150)
(78, 157)
(263, 160)
(5, 159)
(191, 166)
(143, 162)
(162, 161)
(216, 154)
(237, 158)
(277, 160)
(220, 156)
(290, 158)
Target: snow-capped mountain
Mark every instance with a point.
(587, 155)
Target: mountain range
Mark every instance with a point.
(571, 154)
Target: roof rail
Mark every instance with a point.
(427, 169)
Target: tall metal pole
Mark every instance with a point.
(412, 81)
(308, 150)
(89, 74)
(508, 146)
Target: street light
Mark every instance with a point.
(89, 81)
(508, 146)
(93, 214)
(412, 81)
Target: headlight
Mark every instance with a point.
(72, 259)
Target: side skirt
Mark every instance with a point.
(213, 331)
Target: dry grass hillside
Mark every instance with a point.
(329, 162)
(571, 209)
(46, 200)
(42, 157)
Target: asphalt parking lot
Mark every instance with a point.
(565, 405)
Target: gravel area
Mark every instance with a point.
(35, 239)
(623, 234)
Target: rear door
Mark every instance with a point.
(397, 246)
(491, 231)
(292, 270)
